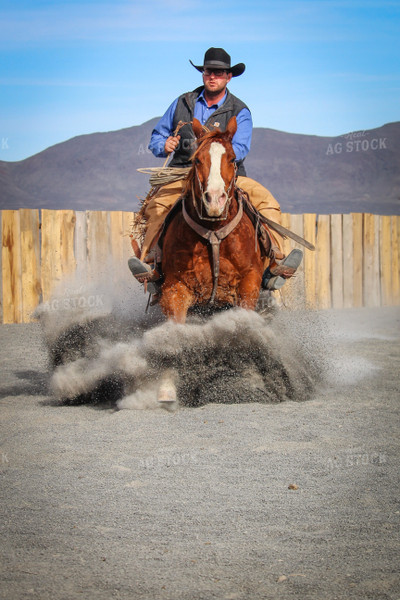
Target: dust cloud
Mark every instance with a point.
(104, 348)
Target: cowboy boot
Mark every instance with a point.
(145, 274)
(275, 275)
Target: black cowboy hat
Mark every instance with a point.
(217, 58)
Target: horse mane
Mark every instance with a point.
(206, 139)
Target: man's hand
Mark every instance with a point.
(171, 143)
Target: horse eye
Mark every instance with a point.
(233, 159)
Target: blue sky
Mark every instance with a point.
(323, 67)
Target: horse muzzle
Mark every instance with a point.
(215, 203)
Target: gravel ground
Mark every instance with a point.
(295, 500)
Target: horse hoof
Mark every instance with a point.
(167, 390)
(169, 406)
(167, 394)
(167, 399)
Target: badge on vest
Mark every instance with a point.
(216, 124)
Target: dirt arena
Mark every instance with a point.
(245, 500)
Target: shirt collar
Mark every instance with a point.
(217, 104)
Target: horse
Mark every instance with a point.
(210, 252)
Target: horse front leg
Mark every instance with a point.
(249, 290)
(175, 301)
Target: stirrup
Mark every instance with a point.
(274, 281)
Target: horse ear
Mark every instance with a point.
(231, 127)
(197, 127)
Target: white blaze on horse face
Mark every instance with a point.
(215, 196)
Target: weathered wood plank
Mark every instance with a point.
(296, 286)
(348, 258)
(337, 260)
(286, 222)
(309, 230)
(127, 223)
(11, 267)
(372, 296)
(385, 238)
(119, 268)
(358, 248)
(323, 262)
(395, 224)
(30, 262)
(283, 294)
(116, 236)
(297, 226)
(51, 271)
(80, 245)
(98, 245)
(67, 242)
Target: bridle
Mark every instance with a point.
(214, 236)
(227, 191)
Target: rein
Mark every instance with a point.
(214, 238)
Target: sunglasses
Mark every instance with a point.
(215, 72)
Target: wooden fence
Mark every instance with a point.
(356, 262)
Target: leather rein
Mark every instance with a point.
(213, 237)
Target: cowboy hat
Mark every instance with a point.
(217, 58)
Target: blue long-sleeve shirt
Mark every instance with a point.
(164, 128)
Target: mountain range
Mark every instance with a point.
(354, 172)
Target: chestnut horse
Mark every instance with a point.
(210, 250)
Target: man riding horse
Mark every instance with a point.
(213, 105)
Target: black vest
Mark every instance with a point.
(184, 112)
